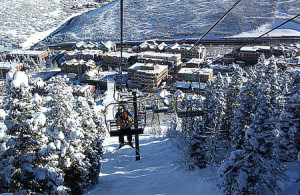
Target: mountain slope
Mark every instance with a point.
(24, 19)
(147, 19)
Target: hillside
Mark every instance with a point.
(147, 19)
(23, 21)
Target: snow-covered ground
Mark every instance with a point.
(24, 23)
(289, 29)
(159, 171)
(157, 19)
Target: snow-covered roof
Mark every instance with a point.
(90, 52)
(84, 88)
(74, 62)
(108, 44)
(78, 62)
(188, 70)
(144, 45)
(263, 47)
(174, 46)
(248, 49)
(203, 71)
(71, 53)
(90, 63)
(197, 85)
(140, 67)
(255, 48)
(27, 52)
(72, 75)
(118, 54)
(220, 67)
(158, 55)
(163, 93)
(196, 61)
(8, 65)
(183, 85)
(161, 46)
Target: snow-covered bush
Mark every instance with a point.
(52, 144)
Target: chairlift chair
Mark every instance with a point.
(139, 120)
(189, 110)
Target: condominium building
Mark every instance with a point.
(194, 63)
(172, 60)
(112, 59)
(77, 67)
(187, 50)
(85, 55)
(195, 74)
(22, 54)
(147, 75)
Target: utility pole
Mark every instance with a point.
(121, 34)
(135, 124)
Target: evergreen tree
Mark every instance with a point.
(247, 171)
(260, 68)
(207, 141)
(244, 112)
(289, 123)
(231, 98)
(264, 121)
(3, 132)
(21, 168)
(75, 138)
(255, 168)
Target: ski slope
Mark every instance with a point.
(109, 99)
(159, 171)
(162, 169)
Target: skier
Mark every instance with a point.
(124, 120)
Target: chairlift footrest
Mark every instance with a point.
(132, 132)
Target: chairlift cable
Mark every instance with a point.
(215, 24)
(252, 40)
(275, 28)
(121, 35)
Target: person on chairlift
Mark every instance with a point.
(124, 120)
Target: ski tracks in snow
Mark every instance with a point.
(158, 171)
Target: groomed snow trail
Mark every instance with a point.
(158, 171)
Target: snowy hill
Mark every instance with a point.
(147, 19)
(25, 21)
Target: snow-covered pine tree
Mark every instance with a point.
(289, 123)
(206, 141)
(199, 141)
(247, 171)
(3, 132)
(271, 76)
(74, 137)
(260, 67)
(231, 98)
(21, 168)
(264, 121)
(244, 112)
